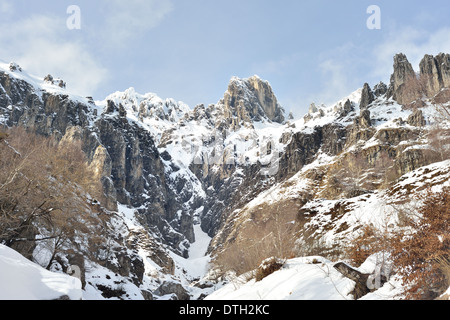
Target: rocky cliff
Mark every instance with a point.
(251, 100)
(403, 85)
(435, 73)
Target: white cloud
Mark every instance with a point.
(336, 82)
(346, 68)
(6, 7)
(339, 70)
(41, 45)
(126, 19)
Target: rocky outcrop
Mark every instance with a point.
(403, 87)
(406, 86)
(359, 278)
(365, 120)
(347, 108)
(173, 288)
(251, 99)
(380, 89)
(314, 112)
(367, 97)
(435, 73)
(416, 119)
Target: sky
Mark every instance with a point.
(309, 51)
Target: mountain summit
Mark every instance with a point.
(251, 99)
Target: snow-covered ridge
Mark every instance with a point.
(41, 84)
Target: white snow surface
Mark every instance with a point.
(21, 279)
(299, 279)
(306, 278)
(39, 84)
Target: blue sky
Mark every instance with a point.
(310, 51)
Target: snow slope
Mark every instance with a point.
(21, 279)
(309, 278)
(40, 84)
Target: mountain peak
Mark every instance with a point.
(252, 99)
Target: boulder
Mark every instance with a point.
(359, 278)
(170, 287)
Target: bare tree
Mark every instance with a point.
(439, 133)
(47, 193)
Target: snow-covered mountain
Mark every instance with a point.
(183, 188)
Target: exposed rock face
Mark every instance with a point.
(364, 119)
(406, 86)
(140, 180)
(367, 97)
(123, 154)
(435, 73)
(169, 287)
(251, 99)
(348, 107)
(416, 119)
(403, 87)
(380, 89)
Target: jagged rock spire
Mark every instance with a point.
(435, 73)
(402, 80)
(367, 97)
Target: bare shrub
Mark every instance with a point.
(419, 255)
(268, 267)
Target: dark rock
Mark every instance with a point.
(170, 287)
(380, 89)
(416, 119)
(348, 107)
(367, 97)
(13, 67)
(359, 278)
(147, 295)
(364, 119)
